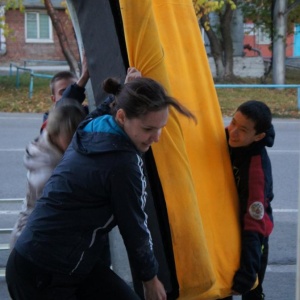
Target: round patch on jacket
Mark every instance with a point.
(256, 210)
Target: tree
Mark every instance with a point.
(219, 34)
(281, 27)
(279, 37)
(59, 29)
(277, 18)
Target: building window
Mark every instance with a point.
(38, 28)
(249, 29)
(262, 37)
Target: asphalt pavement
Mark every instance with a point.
(280, 282)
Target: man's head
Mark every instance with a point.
(249, 124)
(60, 82)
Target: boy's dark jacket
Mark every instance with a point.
(77, 93)
(253, 175)
(99, 183)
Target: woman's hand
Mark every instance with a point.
(132, 73)
(154, 290)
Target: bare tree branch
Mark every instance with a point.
(62, 37)
(292, 6)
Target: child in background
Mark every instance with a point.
(63, 80)
(43, 154)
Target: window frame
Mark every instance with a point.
(38, 39)
(261, 37)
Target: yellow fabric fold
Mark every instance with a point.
(164, 42)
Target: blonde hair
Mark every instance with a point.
(64, 120)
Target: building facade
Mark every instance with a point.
(32, 36)
(260, 42)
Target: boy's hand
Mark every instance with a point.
(233, 292)
(132, 73)
(85, 75)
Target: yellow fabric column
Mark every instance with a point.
(164, 42)
(190, 251)
(191, 82)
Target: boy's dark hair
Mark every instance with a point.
(258, 112)
(61, 75)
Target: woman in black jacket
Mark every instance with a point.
(99, 183)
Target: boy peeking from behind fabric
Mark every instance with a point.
(248, 134)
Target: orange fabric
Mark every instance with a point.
(164, 42)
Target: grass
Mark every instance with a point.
(14, 99)
(283, 102)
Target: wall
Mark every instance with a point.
(264, 49)
(18, 50)
(252, 67)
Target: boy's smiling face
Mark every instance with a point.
(242, 131)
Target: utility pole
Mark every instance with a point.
(279, 41)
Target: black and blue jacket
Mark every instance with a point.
(99, 184)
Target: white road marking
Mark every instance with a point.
(13, 150)
(285, 210)
(281, 268)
